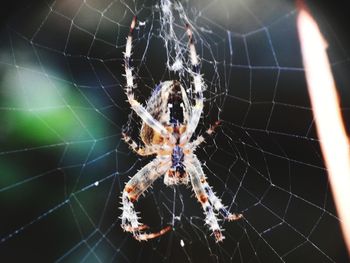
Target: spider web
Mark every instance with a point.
(64, 166)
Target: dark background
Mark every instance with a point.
(239, 153)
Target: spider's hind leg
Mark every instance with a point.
(136, 106)
(198, 84)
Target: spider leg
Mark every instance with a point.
(137, 185)
(203, 197)
(146, 236)
(213, 199)
(216, 202)
(137, 148)
(198, 84)
(136, 106)
(143, 151)
(200, 139)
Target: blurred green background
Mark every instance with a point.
(62, 107)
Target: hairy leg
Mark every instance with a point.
(137, 185)
(202, 196)
(136, 106)
(137, 148)
(198, 84)
(213, 199)
(200, 139)
(141, 150)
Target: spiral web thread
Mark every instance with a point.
(64, 165)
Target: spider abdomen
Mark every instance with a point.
(170, 106)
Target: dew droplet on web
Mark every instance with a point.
(182, 243)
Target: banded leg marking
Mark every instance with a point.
(136, 106)
(198, 84)
(141, 150)
(137, 185)
(200, 139)
(202, 196)
(214, 200)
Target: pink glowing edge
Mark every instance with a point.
(326, 109)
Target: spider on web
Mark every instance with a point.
(169, 121)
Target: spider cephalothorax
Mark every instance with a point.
(169, 121)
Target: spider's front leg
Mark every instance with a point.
(138, 184)
(203, 197)
(207, 197)
(213, 199)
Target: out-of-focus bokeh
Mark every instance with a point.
(62, 108)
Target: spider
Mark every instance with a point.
(168, 123)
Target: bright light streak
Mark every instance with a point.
(330, 129)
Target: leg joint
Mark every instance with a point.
(203, 198)
(130, 193)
